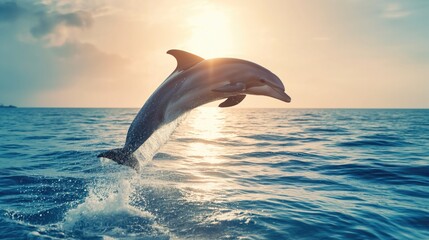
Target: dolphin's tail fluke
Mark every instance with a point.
(121, 156)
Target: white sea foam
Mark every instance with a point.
(108, 210)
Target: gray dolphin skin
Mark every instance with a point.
(195, 82)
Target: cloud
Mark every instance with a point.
(88, 61)
(43, 22)
(9, 11)
(43, 51)
(395, 10)
(53, 25)
(48, 22)
(55, 28)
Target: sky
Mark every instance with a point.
(108, 53)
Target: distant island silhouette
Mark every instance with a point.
(7, 106)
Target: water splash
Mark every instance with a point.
(109, 208)
(149, 148)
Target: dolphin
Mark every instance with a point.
(195, 82)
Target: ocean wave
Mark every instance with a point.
(271, 154)
(248, 174)
(366, 143)
(327, 130)
(394, 175)
(38, 137)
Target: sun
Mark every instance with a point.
(211, 33)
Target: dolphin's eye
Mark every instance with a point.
(261, 80)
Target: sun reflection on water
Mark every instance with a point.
(206, 125)
(205, 161)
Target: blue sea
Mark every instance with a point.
(222, 174)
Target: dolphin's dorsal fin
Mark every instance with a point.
(184, 59)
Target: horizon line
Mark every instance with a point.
(411, 108)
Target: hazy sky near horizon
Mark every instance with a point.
(107, 53)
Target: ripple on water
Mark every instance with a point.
(262, 174)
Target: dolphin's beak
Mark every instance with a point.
(280, 95)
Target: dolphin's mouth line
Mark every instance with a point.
(275, 87)
(285, 96)
(278, 93)
(278, 89)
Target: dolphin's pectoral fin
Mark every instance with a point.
(184, 59)
(232, 87)
(232, 101)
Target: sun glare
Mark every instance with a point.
(207, 125)
(211, 31)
